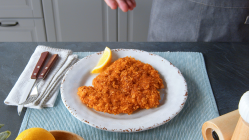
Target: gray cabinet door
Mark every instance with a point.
(133, 25)
(22, 30)
(20, 8)
(83, 20)
(92, 20)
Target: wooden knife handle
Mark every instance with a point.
(39, 65)
(48, 66)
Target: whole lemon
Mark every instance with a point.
(35, 134)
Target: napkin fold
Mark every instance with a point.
(49, 87)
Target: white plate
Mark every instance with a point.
(173, 97)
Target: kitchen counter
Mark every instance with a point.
(227, 67)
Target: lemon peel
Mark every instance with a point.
(104, 61)
(35, 134)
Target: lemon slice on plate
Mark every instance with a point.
(104, 61)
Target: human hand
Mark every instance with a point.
(124, 5)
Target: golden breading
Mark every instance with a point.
(125, 86)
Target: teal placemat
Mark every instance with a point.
(199, 108)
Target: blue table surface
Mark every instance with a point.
(227, 67)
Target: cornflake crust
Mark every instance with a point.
(125, 86)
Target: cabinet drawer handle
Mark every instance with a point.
(8, 24)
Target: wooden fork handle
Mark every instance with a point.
(49, 65)
(39, 65)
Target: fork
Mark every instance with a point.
(32, 97)
(34, 94)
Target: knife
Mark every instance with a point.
(48, 66)
(45, 72)
(34, 75)
(43, 75)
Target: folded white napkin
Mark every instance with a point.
(47, 88)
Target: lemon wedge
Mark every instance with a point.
(104, 61)
(35, 134)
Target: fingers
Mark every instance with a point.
(112, 4)
(130, 4)
(134, 3)
(123, 5)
